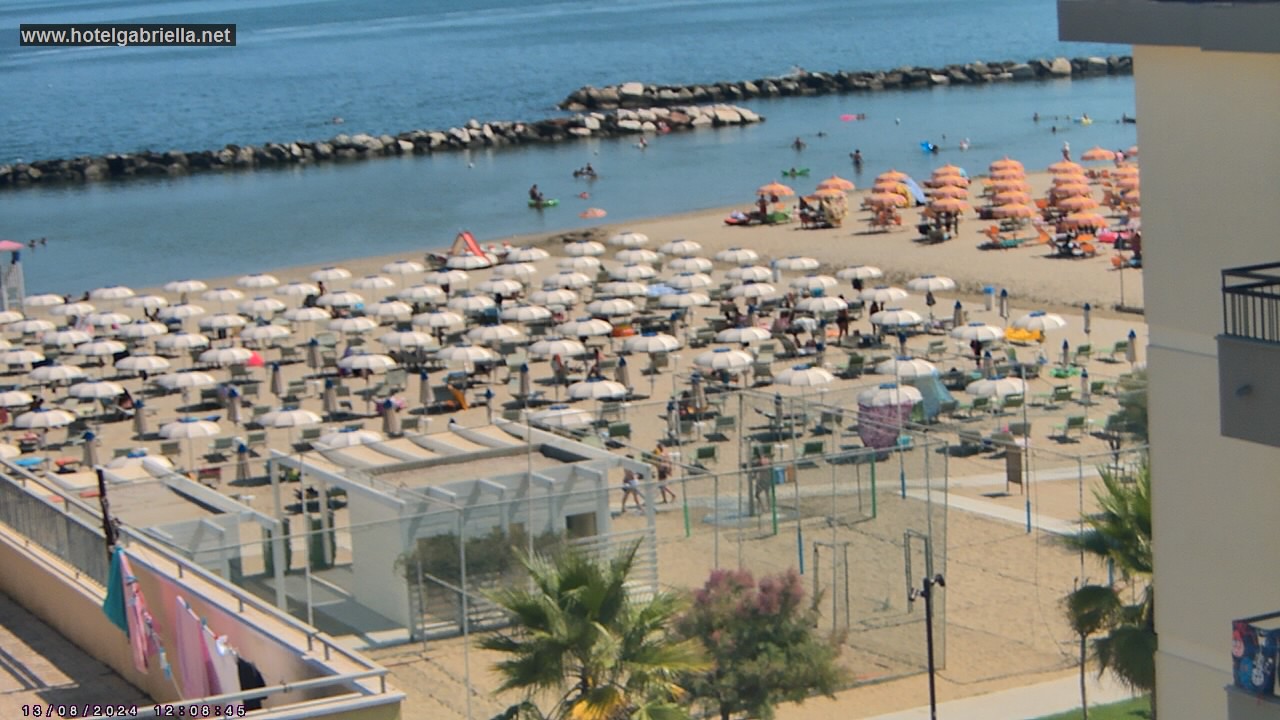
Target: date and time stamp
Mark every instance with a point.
(162, 710)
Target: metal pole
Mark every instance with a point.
(927, 593)
(466, 620)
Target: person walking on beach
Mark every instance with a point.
(842, 321)
(1066, 150)
(630, 489)
(664, 473)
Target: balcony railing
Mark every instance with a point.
(1251, 302)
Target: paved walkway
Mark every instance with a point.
(1031, 701)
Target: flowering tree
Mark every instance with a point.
(762, 640)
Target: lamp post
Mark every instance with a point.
(926, 592)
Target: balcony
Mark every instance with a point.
(1249, 354)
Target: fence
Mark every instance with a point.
(66, 531)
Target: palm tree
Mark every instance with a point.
(1121, 535)
(578, 632)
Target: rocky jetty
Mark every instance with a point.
(802, 83)
(604, 123)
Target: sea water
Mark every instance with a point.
(393, 65)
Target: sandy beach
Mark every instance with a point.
(1004, 622)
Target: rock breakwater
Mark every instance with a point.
(801, 83)
(614, 122)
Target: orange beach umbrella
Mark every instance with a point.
(1098, 153)
(949, 191)
(886, 200)
(1065, 166)
(947, 169)
(949, 205)
(1077, 203)
(1005, 163)
(1000, 186)
(1070, 190)
(1084, 220)
(892, 175)
(1013, 210)
(1008, 174)
(955, 180)
(775, 188)
(837, 182)
(828, 192)
(1011, 197)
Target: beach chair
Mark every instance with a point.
(971, 443)
(658, 362)
(1076, 423)
(936, 347)
(411, 424)
(611, 410)
(724, 424)
(1082, 354)
(1020, 429)
(706, 456)
(810, 450)
(1120, 348)
(761, 374)
(1011, 402)
(620, 431)
(256, 440)
(312, 433)
(978, 404)
(171, 449)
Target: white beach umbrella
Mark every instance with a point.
(403, 268)
(265, 334)
(611, 307)
(30, 327)
(146, 302)
(9, 452)
(389, 311)
(651, 343)
(491, 334)
(142, 363)
(5, 344)
(348, 438)
(552, 346)
(440, 320)
(890, 394)
(565, 279)
(639, 256)
(796, 263)
(814, 282)
(906, 367)
(896, 317)
(18, 357)
(452, 278)
(257, 281)
(468, 262)
(690, 264)
(561, 416)
(75, 309)
(95, 390)
(583, 248)
(306, 314)
(42, 300)
(560, 297)
(597, 389)
(227, 356)
(524, 313)
(804, 376)
(186, 380)
(180, 312)
(519, 271)
(622, 289)
(10, 316)
(981, 332)
(737, 256)
(222, 295)
(289, 418)
(526, 254)
(367, 362)
(178, 287)
(59, 373)
(632, 271)
(330, 274)
(724, 359)
(189, 429)
(859, 272)
(629, 239)
(996, 387)
(106, 319)
(142, 330)
(425, 294)
(690, 281)
(182, 341)
(500, 286)
(883, 294)
(340, 299)
(261, 307)
(43, 419)
(222, 321)
(67, 337)
(471, 304)
(353, 325)
(1041, 321)
(408, 340)
(373, 282)
(100, 348)
(753, 291)
(466, 354)
(931, 283)
(822, 304)
(581, 264)
(585, 327)
(297, 290)
(680, 248)
(111, 292)
(742, 335)
(15, 398)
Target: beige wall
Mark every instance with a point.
(1211, 200)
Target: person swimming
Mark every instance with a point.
(798, 144)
